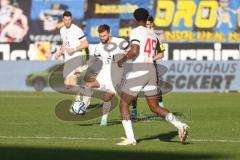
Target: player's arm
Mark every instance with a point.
(131, 54)
(134, 49)
(82, 38)
(92, 59)
(60, 52)
(158, 56)
(160, 51)
(83, 45)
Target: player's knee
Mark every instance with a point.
(66, 83)
(108, 96)
(125, 116)
(69, 84)
(89, 85)
(154, 108)
(107, 99)
(71, 80)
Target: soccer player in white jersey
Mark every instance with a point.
(149, 24)
(142, 51)
(73, 42)
(106, 51)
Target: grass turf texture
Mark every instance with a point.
(29, 129)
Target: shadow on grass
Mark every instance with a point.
(165, 137)
(110, 123)
(29, 153)
(142, 118)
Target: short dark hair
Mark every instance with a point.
(103, 28)
(141, 14)
(67, 14)
(150, 18)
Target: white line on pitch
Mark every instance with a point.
(63, 138)
(215, 140)
(102, 139)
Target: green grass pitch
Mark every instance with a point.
(29, 129)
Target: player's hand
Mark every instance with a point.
(57, 56)
(80, 69)
(70, 51)
(120, 63)
(77, 72)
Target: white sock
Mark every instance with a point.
(174, 120)
(161, 104)
(127, 125)
(86, 100)
(105, 116)
(77, 98)
(106, 109)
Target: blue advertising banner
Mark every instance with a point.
(92, 27)
(46, 17)
(178, 21)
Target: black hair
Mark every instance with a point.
(67, 14)
(141, 14)
(150, 18)
(103, 27)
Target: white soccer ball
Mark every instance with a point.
(78, 107)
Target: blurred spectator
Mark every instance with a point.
(13, 23)
(52, 18)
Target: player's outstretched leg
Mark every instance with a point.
(83, 90)
(106, 110)
(70, 82)
(125, 102)
(182, 127)
(106, 107)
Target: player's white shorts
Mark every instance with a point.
(144, 80)
(109, 80)
(105, 80)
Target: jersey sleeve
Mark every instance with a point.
(159, 48)
(80, 34)
(134, 37)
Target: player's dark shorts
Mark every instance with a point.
(141, 78)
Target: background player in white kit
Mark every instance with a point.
(106, 51)
(142, 51)
(73, 42)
